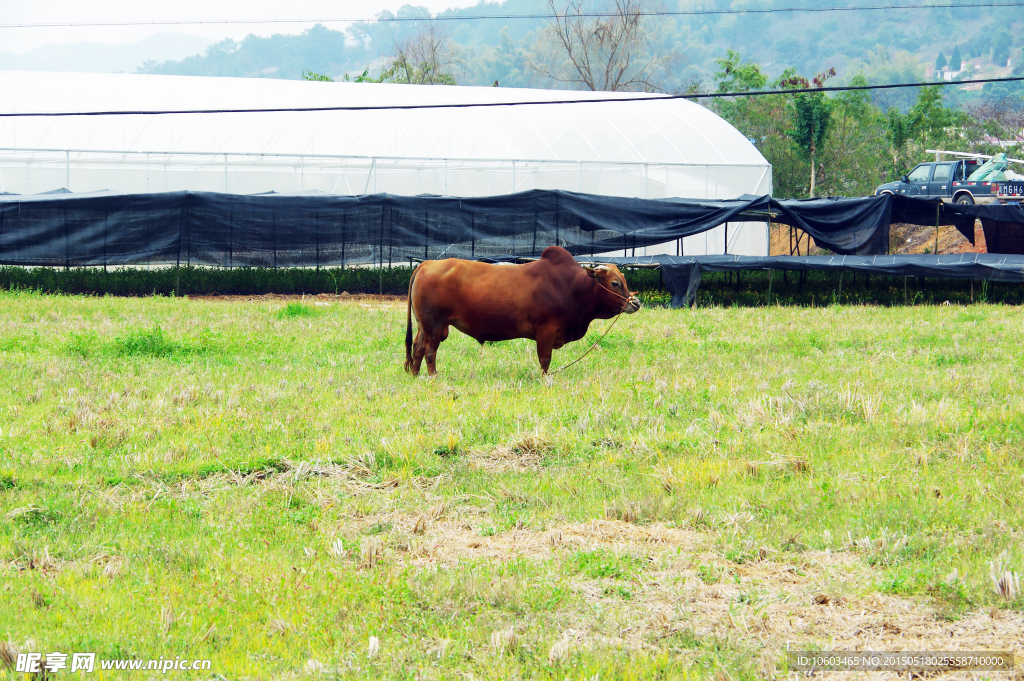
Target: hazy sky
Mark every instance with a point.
(65, 11)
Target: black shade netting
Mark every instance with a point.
(307, 230)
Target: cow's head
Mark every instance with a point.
(613, 293)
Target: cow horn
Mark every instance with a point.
(602, 268)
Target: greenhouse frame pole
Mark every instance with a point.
(372, 174)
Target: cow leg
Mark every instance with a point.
(433, 341)
(545, 344)
(419, 348)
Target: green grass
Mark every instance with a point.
(294, 309)
(268, 488)
(604, 563)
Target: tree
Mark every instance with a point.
(609, 50)
(899, 128)
(762, 120)
(737, 76)
(508, 63)
(319, 49)
(885, 67)
(854, 149)
(936, 123)
(811, 115)
(427, 58)
(856, 143)
(940, 62)
(1001, 120)
(955, 62)
(363, 77)
(1001, 49)
(310, 75)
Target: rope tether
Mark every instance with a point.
(615, 319)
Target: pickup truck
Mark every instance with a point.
(965, 180)
(942, 179)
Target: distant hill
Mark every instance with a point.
(886, 46)
(105, 58)
(278, 56)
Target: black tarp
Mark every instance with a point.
(997, 212)
(854, 226)
(1003, 224)
(276, 230)
(1003, 237)
(313, 229)
(682, 274)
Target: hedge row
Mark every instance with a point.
(726, 289)
(205, 280)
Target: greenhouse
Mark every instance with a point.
(619, 148)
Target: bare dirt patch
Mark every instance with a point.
(822, 599)
(904, 239)
(797, 612)
(446, 542)
(917, 239)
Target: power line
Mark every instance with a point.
(479, 17)
(482, 105)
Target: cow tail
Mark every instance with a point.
(408, 321)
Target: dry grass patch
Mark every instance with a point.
(820, 603)
(450, 541)
(520, 456)
(685, 591)
(774, 607)
(351, 475)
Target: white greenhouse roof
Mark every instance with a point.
(645, 149)
(674, 131)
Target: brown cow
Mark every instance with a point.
(551, 300)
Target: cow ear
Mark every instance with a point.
(591, 272)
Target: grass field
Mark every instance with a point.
(260, 484)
